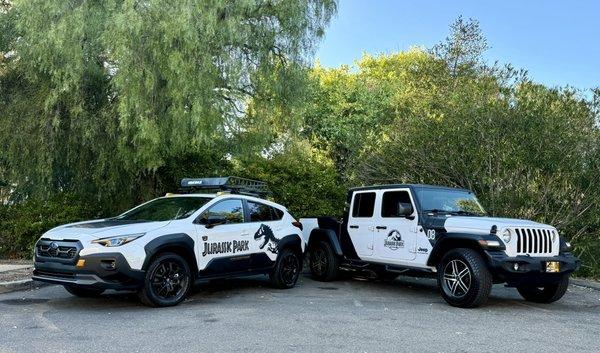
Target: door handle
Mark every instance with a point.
(244, 233)
(354, 227)
(381, 227)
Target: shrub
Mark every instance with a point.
(22, 224)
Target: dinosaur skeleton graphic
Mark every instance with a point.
(264, 231)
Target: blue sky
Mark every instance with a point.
(558, 42)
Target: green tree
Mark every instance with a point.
(98, 96)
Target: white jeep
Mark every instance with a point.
(444, 232)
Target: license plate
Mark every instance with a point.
(552, 266)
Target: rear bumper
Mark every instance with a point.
(101, 271)
(531, 270)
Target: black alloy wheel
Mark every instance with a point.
(323, 262)
(287, 270)
(167, 281)
(318, 261)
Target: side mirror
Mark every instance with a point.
(212, 220)
(405, 210)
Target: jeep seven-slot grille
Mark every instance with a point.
(63, 252)
(534, 241)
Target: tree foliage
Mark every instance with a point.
(99, 95)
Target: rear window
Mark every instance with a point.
(277, 213)
(260, 212)
(364, 204)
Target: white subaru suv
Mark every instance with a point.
(162, 247)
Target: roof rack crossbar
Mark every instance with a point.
(232, 184)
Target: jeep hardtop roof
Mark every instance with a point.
(410, 186)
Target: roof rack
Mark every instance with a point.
(235, 185)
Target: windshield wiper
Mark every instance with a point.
(437, 210)
(459, 212)
(465, 213)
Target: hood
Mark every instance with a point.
(102, 228)
(484, 224)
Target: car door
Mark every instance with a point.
(395, 233)
(225, 246)
(360, 222)
(266, 231)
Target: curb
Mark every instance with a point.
(586, 283)
(20, 285)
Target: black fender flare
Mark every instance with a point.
(292, 240)
(447, 241)
(328, 235)
(178, 242)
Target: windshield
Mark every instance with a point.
(450, 201)
(165, 209)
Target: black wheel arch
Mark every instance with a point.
(292, 241)
(179, 243)
(328, 235)
(451, 241)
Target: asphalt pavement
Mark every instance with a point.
(344, 316)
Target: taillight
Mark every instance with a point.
(297, 225)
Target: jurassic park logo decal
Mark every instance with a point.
(394, 240)
(264, 235)
(225, 247)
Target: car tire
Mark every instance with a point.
(323, 262)
(288, 268)
(83, 292)
(167, 281)
(545, 294)
(464, 279)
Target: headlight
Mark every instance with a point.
(118, 240)
(506, 235)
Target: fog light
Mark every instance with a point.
(516, 266)
(108, 264)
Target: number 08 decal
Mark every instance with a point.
(430, 234)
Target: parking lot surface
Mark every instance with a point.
(344, 316)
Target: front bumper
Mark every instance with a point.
(101, 271)
(531, 270)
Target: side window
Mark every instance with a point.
(392, 201)
(277, 213)
(231, 211)
(259, 212)
(364, 204)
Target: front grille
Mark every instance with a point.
(58, 250)
(534, 241)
